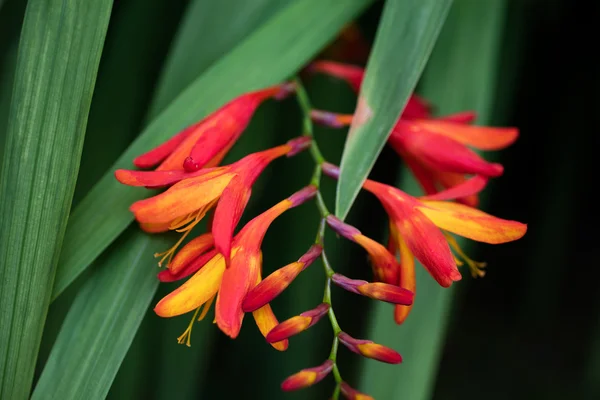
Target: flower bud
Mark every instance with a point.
(297, 324)
(307, 377)
(341, 228)
(298, 144)
(352, 394)
(303, 195)
(375, 290)
(369, 349)
(330, 119)
(274, 284)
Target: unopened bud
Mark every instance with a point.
(341, 228)
(303, 195)
(298, 144)
(274, 284)
(352, 394)
(369, 349)
(307, 377)
(375, 290)
(297, 324)
(330, 119)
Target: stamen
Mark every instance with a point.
(179, 225)
(187, 334)
(476, 267)
(206, 307)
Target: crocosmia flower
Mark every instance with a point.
(419, 227)
(193, 194)
(230, 285)
(437, 150)
(205, 143)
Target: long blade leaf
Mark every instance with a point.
(99, 328)
(405, 37)
(58, 58)
(460, 75)
(272, 53)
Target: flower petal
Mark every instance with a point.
(158, 154)
(162, 178)
(467, 188)
(451, 179)
(441, 153)
(265, 320)
(352, 74)
(181, 199)
(193, 249)
(384, 262)
(472, 223)
(422, 237)
(229, 210)
(480, 137)
(407, 279)
(416, 107)
(195, 292)
(237, 280)
(463, 117)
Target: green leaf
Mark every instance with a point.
(101, 323)
(206, 19)
(58, 58)
(405, 37)
(461, 75)
(269, 55)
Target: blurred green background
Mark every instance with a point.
(529, 329)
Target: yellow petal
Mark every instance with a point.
(472, 223)
(181, 199)
(196, 291)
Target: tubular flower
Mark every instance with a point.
(385, 265)
(183, 205)
(436, 150)
(368, 349)
(230, 285)
(274, 284)
(375, 290)
(352, 394)
(307, 377)
(418, 228)
(297, 324)
(205, 143)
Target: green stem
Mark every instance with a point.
(315, 152)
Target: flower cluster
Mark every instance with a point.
(224, 265)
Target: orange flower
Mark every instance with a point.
(418, 228)
(307, 377)
(434, 149)
(205, 143)
(185, 203)
(274, 284)
(369, 349)
(352, 394)
(230, 285)
(297, 324)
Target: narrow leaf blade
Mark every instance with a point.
(406, 34)
(461, 75)
(58, 58)
(101, 323)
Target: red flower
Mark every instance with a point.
(211, 278)
(183, 205)
(434, 149)
(418, 228)
(205, 143)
